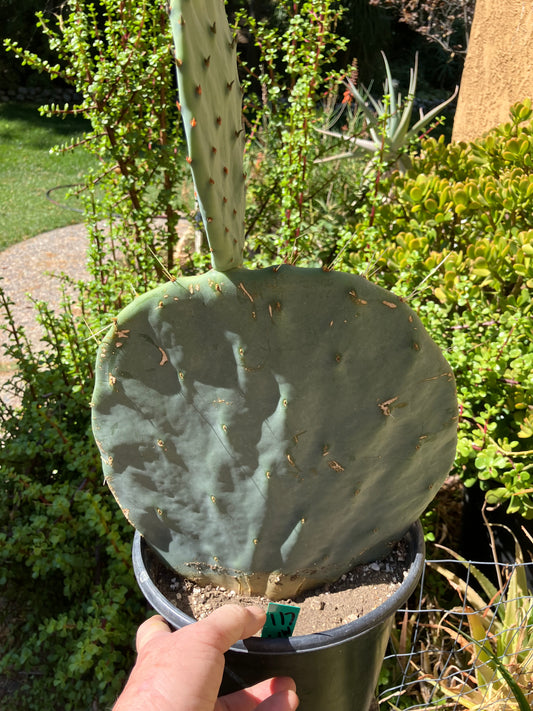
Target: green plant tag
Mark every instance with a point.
(280, 620)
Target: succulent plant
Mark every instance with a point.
(266, 429)
(388, 122)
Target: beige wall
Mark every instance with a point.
(499, 66)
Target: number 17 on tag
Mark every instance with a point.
(280, 620)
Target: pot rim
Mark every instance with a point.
(302, 643)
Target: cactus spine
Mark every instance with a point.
(265, 430)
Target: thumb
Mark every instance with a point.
(153, 627)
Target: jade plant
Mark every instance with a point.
(264, 430)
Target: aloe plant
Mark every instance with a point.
(266, 429)
(499, 641)
(388, 122)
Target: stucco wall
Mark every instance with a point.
(499, 66)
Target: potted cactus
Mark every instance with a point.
(266, 430)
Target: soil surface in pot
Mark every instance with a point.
(355, 594)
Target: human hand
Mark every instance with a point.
(182, 670)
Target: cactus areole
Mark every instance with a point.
(265, 430)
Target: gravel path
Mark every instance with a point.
(27, 269)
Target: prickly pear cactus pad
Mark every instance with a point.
(211, 107)
(267, 430)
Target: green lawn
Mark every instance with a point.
(28, 171)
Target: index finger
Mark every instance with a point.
(228, 624)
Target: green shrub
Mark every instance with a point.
(454, 236)
(294, 201)
(69, 603)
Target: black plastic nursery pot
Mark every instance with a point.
(336, 669)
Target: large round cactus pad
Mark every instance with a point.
(274, 423)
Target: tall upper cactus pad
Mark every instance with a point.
(211, 106)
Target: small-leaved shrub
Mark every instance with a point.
(68, 602)
(294, 200)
